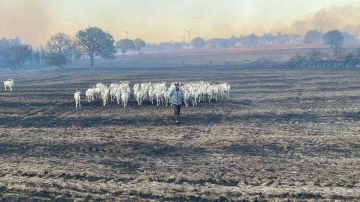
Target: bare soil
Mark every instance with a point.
(281, 135)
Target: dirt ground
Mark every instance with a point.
(281, 135)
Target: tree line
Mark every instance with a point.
(93, 42)
(60, 49)
(336, 58)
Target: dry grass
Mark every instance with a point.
(282, 135)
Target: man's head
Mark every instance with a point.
(177, 85)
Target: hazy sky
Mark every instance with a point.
(34, 21)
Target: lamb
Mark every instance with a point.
(124, 98)
(118, 96)
(96, 92)
(89, 94)
(77, 98)
(139, 97)
(151, 95)
(113, 90)
(105, 95)
(9, 83)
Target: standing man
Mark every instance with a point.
(177, 97)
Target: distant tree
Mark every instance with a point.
(268, 38)
(43, 54)
(139, 44)
(251, 40)
(5, 45)
(349, 38)
(17, 56)
(125, 45)
(37, 56)
(93, 41)
(312, 36)
(56, 59)
(334, 39)
(198, 42)
(60, 43)
(212, 43)
(176, 46)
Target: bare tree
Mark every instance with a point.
(43, 54)
(37, 56)
(60, 43)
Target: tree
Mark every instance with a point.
(349, 38)
(334, 39)
(43, 54)
(312, 36)
(60, 43)
(139, 44)
(56, 59)
(252, 40)
(37, 56)
(17, 56)
(198, 42)
(176, 46)
(93, 41)
(125, 45)
(5, 45)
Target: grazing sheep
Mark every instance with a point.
(9, 83)
(77, 98)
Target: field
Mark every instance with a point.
(282, 134)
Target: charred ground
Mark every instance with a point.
(283, 134)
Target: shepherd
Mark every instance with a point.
(177, 97)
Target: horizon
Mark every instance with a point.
(37, 20)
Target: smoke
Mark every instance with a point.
(36, 20)
(343, 18)
(29, 20)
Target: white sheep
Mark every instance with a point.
(89, 94)
(124, 98)
(139, 97)
(97, 92)
(9, 83)
(105, 94)
(77, 98)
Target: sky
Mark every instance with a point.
(34, 21)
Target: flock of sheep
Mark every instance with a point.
(194, 92)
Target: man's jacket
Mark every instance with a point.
(176, 96)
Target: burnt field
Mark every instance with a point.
(281, 135)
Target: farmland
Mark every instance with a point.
(282, 134)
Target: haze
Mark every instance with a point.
(34, 21)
